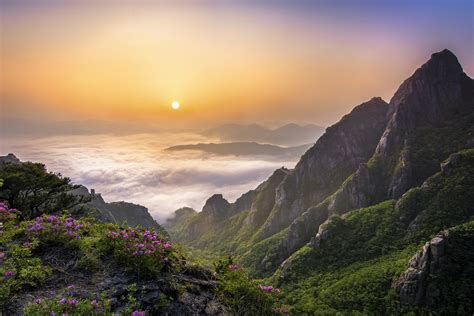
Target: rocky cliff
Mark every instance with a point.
(430, 116)
(323, 168)
(115, 212)
(10, 158)
(446, 259)
(356, 260)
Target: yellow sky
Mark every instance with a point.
(221, 64)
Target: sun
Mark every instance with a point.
(175, 105)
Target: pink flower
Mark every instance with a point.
(138, 313)
(267, 288)
(52, 218)
(62, 301)
(281, 310)
(2, 255)
(167, 245)
(72, 302)
(37, 301)
(94, 303)
(9, 274)
(233, 267)
(70, 287)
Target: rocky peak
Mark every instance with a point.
(323, 168)
(216, 206)
(447, 258)
(10, 158)
(184, 212)
(435, 92)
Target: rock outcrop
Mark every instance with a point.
(115, 212)
(323, 168)
(445, 259)
(411, 148)
(10, 158)
(190, 292)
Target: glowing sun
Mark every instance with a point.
(175, 105)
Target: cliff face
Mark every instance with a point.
(10, 158)
(446, 259)
(353, 260)
(218, 214)
(323, 168)
(116, 212)
(432, 97)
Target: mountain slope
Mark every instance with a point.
(426, 142)
(321, 170)
(375, 153)
(353, 260)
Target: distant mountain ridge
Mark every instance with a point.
(286, 135)
(244, 149)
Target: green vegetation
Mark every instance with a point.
(34, 251)
(68, 304)
(360, 255)
(246, 296)
(31, 189)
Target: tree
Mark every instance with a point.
(32, 190)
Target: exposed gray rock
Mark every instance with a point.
(439, 259)
(324, 167)
(264, 199)
(112, 279)
(115, 212)
(10, 158)
(435, 93)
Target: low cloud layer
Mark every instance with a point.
(136, 168)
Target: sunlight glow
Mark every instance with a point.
(175, 105)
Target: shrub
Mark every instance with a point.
(144, 250)
(67, 304)
(244, 295)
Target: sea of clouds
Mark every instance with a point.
(136, 168)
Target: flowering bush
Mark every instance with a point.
(142, 249)
(63, 228)
(7, 215)
(244, 295)
(268, 289)
(68, 305)
(19, 269)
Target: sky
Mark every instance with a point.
(224, 61)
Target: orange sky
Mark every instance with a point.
(223, 63)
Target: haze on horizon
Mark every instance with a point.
(224, 61)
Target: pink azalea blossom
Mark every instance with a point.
(72, 302)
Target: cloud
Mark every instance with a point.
(135, 168)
